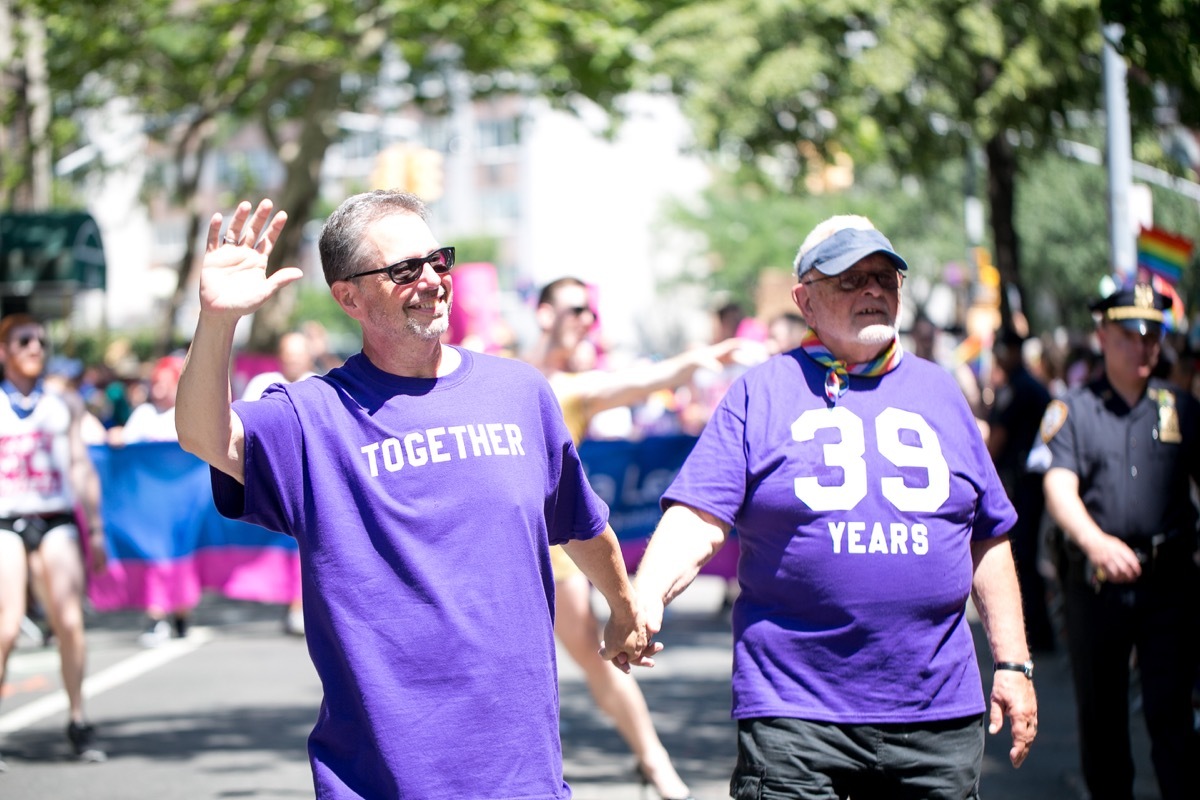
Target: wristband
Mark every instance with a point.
(1026, 668)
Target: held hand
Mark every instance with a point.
(1113, 559)
(1013, 696)
(233, 279)
(628, 641)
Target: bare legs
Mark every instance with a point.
(57, 571)
(616, 693)
(13, 587)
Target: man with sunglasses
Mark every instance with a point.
(868, 511)
(1124, 459)
(46, 476)
(424, 484)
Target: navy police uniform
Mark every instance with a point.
(1134, 466)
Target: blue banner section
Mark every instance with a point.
(632, 476)
(157, 505)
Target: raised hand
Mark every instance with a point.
(233, 279)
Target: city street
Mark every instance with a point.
(225, 712)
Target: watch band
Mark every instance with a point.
(1026, 668)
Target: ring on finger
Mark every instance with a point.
(230, 239)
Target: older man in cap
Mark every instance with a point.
(1123, 450)
(867, 511)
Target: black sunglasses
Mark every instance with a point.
(28, 339)
(889, 281)
(410, 269)
(579, 311)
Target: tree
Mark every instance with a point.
(746, 227)
(1161, 41)
(290, 66)
(912, 82)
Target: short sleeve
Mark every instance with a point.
(1057, 431)
(714, 475)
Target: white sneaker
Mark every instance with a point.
(293, 622)
(158, 632)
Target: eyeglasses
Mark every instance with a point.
(27, 339)
(888, 281)
(579, 311)
(410, 269)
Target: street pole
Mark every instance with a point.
(1122, 241)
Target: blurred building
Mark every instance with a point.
(548, 190)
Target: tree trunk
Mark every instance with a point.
(300, 192)
(1001, 189)
(191, 151)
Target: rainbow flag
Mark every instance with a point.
(1163, 254)
(1175, 318)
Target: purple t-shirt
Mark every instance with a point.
(855, 526)
(424, 510)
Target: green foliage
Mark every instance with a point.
(911, 80)
(1162, 42)
(745, 227)
(315, 303)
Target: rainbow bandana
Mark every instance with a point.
(837, 375)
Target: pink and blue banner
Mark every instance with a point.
(167, 543)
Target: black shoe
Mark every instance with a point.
(83, 742)
(179, 624)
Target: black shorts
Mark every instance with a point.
(33, 528)
(791, 758)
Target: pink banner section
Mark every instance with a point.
(168, 587)
(475, 320)
(264, 575)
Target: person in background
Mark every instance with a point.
(1019, 402)
(424, 484)
(868, 512)
(564, 316)
(1124, 456)
(295, 364)
(785, 332)
(47, 477)
(154, 421)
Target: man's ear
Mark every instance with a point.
(346, 295)
(544, 316)
(802, 300)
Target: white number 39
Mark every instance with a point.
(848, 454)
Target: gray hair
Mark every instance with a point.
(343, 241)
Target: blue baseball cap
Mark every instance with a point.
(844, 249)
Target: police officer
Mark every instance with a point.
(1123, 449)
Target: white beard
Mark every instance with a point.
(877, 334)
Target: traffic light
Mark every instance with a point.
(425, 173)
(391, 168)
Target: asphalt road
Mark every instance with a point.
(225, 713)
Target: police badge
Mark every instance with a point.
(1168, 418)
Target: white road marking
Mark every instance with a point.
(119, 673)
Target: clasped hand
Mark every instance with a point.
(628, 641)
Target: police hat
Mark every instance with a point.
(1138, 308)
